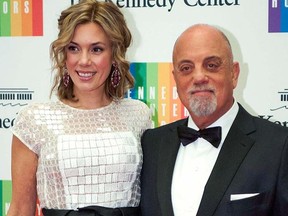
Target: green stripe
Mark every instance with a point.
(140, 81)
(1, 198)
(152, 90)
(7, 195)
(5, 18)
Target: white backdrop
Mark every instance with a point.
(263, 56)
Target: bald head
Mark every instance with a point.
(205, 32)
(204, 73)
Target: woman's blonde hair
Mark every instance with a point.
(110, 18)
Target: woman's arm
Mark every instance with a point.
(24, 166)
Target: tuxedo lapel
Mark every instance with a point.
(168, 150)
(234, 149)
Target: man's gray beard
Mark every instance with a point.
(203, 106)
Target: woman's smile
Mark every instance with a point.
(85, 75)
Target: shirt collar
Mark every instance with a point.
(225, 122)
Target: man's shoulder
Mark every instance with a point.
(267, 125)
(272, 126)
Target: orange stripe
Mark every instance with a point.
(16, 18)
(181, 110)
(176, 105)
(164, 94)
(27, 18)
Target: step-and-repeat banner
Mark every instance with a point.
(258, 31)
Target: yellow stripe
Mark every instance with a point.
(16, 17)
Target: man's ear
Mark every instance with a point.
(235, 73)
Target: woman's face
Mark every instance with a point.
(89, 59)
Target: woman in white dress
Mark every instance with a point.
(81, 154)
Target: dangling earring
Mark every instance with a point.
(115, 76)
(66, 78)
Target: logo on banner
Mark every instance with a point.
(21, 17)
(278, 16)
(170, 3)
(156, 87)
(12, 97)
(15, 96)
(281, 108)
(283, 97)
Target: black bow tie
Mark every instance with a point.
(188, 135)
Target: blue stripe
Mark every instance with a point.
(284, 16)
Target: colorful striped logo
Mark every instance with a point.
(21, 17)
(156, 87)
(278, 16)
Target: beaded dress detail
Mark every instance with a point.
(86, 157)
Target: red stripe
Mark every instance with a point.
(37, 17)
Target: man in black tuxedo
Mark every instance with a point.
(244, 172)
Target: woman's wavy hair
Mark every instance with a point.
(110, 18)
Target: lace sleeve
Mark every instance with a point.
(26, 129)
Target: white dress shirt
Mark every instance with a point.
(193, 166)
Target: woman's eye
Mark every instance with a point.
(72, 48)
(97, 49)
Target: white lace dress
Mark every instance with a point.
(86, 157)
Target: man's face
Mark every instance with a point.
(204, 73)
